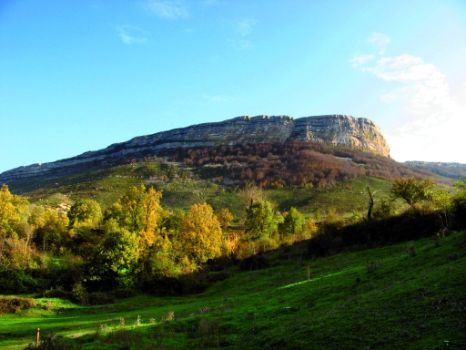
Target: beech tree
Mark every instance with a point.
(201, 234)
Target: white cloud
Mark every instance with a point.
(380, 41)
(168, 9)
(431, 119)
(130, 35)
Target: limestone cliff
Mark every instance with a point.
(337, 130)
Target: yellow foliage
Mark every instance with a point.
(153, 212)
(201, 236)
(224, 217)
(14, 211)
(231, 243)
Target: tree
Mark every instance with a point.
(129, 210)
(50, 231)
(152, 215)
(293, 222)
(441, 200)
(14, 212)
(85, 213)
(201, 236)
(224, 217)
(138, 211)
(459, 204)
(115, 257)
(370, 202)
(260, 222)
(412, 190)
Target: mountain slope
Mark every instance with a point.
(336, 130)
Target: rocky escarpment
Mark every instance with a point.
(357, 133)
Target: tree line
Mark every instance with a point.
(133, 241)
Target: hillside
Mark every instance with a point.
(336, 130)
(317, 157)
(337, 302)
(455, 171)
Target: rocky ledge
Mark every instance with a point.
(336, 130)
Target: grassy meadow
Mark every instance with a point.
(380, 298)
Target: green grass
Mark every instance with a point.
(406, 303)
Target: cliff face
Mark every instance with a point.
(359, 133)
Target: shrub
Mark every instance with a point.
(79, 294)
(99, 298)
(459, 212)
(17, 281)
(9, 305)
(372, 266)
(57, 293)
(53, 342)
(254, 262)
(124, 292)
(411, 250)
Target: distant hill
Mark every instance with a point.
(453, 171)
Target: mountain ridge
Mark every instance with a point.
(337, 130)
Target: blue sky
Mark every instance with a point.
(80, 75)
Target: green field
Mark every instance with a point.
(403, 302)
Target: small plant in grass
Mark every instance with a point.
(138, 320)
(411, 250)
(169, 316)
(203, 310)
(372, 266)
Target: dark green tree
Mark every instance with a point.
(412, 190)
(260, 221)
(293, 222)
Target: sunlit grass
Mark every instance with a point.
(406, 303)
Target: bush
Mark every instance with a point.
(79, 294)
(9, 305)
(53, 342)
(124, 292)
(99, 298)
(17, 281)
(459, 212)
(57, 293)
(254, 262)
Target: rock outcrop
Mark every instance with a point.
(337, 130)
